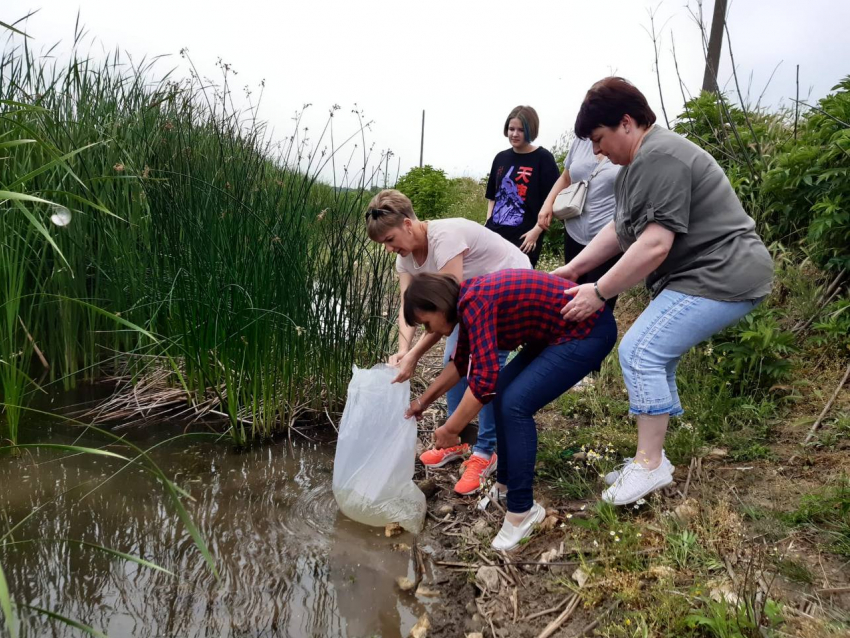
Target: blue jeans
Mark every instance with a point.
(531, 380)
(650, 351)
(486, 442)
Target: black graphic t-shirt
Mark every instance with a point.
(519, 184)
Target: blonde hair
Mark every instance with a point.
(387, 210)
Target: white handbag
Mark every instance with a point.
(570, 202)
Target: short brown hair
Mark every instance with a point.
(431, 293)
(529, 119)
(607, 102)
(388, 209)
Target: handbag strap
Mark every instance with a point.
(596, 170)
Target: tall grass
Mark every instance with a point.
(189, 222)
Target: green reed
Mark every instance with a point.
(257, 278)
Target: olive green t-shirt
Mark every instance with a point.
(716, 252)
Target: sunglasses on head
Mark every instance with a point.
(376, 212)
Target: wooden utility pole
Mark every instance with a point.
(387, 169)
(422, 140)
(715, 45)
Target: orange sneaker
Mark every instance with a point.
(477, 469)
(438, 458)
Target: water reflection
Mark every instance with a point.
(290, 564)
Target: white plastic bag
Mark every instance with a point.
(373, 468)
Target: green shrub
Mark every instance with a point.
(832, 333)
(755, 352)
(466, 199)
(561, 148)
(791, 176)
(808, 190)
(428, 189)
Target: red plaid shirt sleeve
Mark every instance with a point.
(477, 354)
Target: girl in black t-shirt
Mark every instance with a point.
(520, 180)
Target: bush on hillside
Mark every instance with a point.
(428, 189)
(792, 177)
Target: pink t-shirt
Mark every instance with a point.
(483, 250)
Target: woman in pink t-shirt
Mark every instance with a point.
(457, 247)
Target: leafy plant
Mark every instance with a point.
(682, 547)
(428, 190)
(807, 191)
(832, 333)
(755, 352)
(723, 619)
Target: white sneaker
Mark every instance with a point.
(635, 482)
(510, 536)
(493, 495)
(612, 476)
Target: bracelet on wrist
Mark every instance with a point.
(596, 290)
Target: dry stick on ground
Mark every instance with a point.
(732, 575)
(827, 406)
(688, 481)
(553, 626)
(551, 610)
(486, 616)
(484, 558)
(832, 590)
(588, 628)
(514, 572)
(651, 550)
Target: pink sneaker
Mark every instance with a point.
(438, 458)
(477, 469)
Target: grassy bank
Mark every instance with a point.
(183, 239)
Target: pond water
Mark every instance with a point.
(290, 563)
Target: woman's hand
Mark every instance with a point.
(584, 303)
(395, 359)
(544, 217)
(565, 272)
(415, 409)
(529, 239)
(406, 366)
(443, 437)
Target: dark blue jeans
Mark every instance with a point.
(530, 381)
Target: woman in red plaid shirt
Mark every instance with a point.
(503, 311)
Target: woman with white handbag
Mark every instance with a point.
(583, 198)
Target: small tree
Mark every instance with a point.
(562, 147)
(428, 189)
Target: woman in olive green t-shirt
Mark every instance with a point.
(681, 227)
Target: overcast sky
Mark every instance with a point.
(466, 62)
